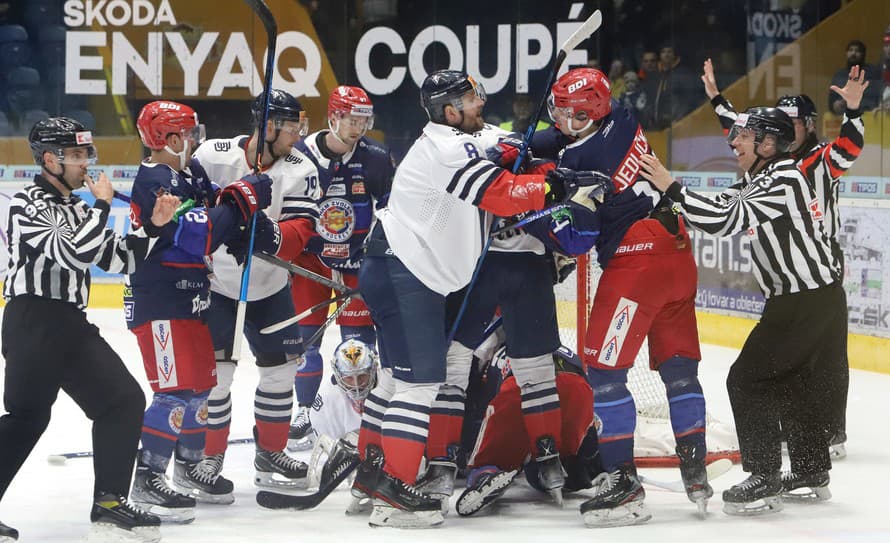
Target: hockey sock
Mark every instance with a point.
(365, 334)
(686, 402)
(614, 407)
(539, 398)
(273, 404)
(447, 412)
(373, 409)
(194, 428)
(161, 428)
(310, 371)
(405, 428)
(219, 409)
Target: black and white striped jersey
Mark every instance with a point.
(53, 241)
(821, 163)
(778, 208)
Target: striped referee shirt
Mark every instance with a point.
(778, 208)
(821, 163)
(53, 241)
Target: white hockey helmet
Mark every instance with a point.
(355, 368)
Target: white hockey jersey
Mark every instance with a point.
(334, 414)
(295, 189)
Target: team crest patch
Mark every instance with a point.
(358, 187)
(336, 220)
(175, 418)
(201, 415)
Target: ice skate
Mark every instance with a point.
(400, 505)
(438, 481)
(203, 481)
(619, 500)
(365, 482)
(301, 436)
(759, 494)
(695, 478)
(117, 520)
(8, 534)
(805, 487)
(152, 493)
(551, 476)
(484, 485)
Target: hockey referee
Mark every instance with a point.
(53, 239)
(774, 381)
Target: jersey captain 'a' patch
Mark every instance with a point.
(336, 220)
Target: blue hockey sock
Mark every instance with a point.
(615, 414)
(161, 427)
(365, 334)
(686, 402)
(310, 371)
(194, 428)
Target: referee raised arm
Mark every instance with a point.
(48, 344)
(775, 380)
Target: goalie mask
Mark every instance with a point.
(355, 368)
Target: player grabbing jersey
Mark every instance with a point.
(166, 301)
(355, 176)
(282, 231)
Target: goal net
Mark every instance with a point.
(654, 442)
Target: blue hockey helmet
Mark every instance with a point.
(282, 107)
(445, 87)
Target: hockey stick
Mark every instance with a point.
(715, 469)
(262, 11)
(591, 25)
(303, 272)
(61, 458)
(274, 500)
(327, 323)
(344, 296)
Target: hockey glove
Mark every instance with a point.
(563, 266)
(250, 194)
(555, 191)
(586, 188)
(267, 238)
(237, 247)
(505, 153)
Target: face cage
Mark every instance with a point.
(92, 156)
(356, 390)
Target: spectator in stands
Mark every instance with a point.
(671, 90)
(885, 71)
(634, 98)
(616, 76)
(856, 57)
(523, 109)
(648, 64)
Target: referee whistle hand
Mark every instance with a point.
(101, 187)
(655, 172)
(164, 209)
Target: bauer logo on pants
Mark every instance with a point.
(617, 332)
(165, 360)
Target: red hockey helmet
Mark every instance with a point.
(159, 119)
(345, 100)
(581, 89)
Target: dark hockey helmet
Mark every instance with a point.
(765, 121)
(283, 106)
(797, 107)
(58, 133)
(445, 87)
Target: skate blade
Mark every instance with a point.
(359, 505)
(837, 451)
(267, 479)
(808, 495)
(629, 514)
(298, 445)
(702, 505)
(168, 515)
(387, 516)
(556, 494)
(765, 506)
(105, 532)
(205, 497)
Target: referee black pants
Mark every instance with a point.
(49, 345)
(782, 381)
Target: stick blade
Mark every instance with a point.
(591, 25)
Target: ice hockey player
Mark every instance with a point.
(166, 302)
(281, 231)
(822, 164)
(424, 247)
(647, 288)
(774, 386)
(502, 448)
(48, 344)
(515, 277)
(355, 176)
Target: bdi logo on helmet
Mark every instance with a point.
(576, 85)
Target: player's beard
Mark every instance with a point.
(472, 123)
